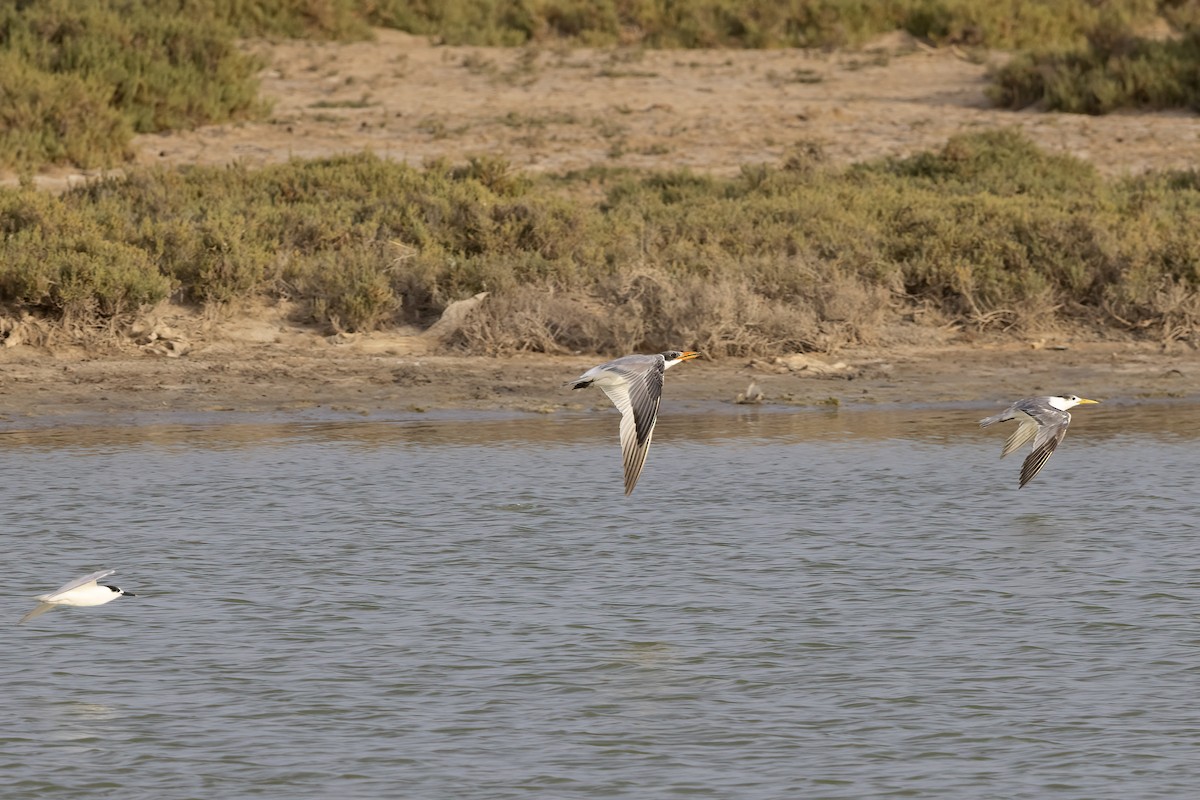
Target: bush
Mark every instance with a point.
(988, 232)
(56, 260)
(56, 118)
(349, 289)
(1114, 71)
(80, 76)
(1008, 24)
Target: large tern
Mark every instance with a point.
(79, 592)
(1044, 421)
(634, 384)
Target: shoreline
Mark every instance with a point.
(390, 376)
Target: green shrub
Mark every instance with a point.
(296, 19)
(988, 232)
(80, 76)
(1000, 161)
(350, 289)
(58, 260)
(46, 117)
(1114, 71)
(1007, 24)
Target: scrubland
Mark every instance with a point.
(987, 232)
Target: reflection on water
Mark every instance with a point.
(745, 425)
(793, 604)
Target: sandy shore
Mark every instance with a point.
(255, 367)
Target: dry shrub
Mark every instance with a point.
(535, 319)
(851, 309)
(1169, 308)
(1038, 311)
(25, 329)
(651, 311)
(1177, 305)
(719, 316)
(1030, 306)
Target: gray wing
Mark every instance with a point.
(1052, 428)
(75, 584)
(1027, 425)
(637, 397)
(42, 608)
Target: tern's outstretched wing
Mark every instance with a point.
(1025, 433)
(1050, 432)
(42, 608)
(1027, 426)
(636, 396)
(75, 584)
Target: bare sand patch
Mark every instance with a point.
(711, 111)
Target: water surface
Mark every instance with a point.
(814, 604)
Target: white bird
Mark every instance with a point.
(634, 384)
(79, 592)
(1043, 420)
(752, 395)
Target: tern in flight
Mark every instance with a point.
(634, 384)
(79, 592)
(1044, 421)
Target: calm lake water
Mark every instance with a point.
(793, 604)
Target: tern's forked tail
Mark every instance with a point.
(992, 420)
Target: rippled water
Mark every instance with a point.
(793, 604)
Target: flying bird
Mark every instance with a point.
(634, 384)
(1044, 421)
(79, 592)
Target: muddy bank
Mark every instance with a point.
(260, 366)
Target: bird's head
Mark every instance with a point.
(1063, 402)
(118, 590)
(674, 357)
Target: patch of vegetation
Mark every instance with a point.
(987, 232)
(1114, 71)
(1005, 24)
(64, 264)
(363, 102)
(79, 77)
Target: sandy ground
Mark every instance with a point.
(555, 110)
(262, 364)
(713, 111)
